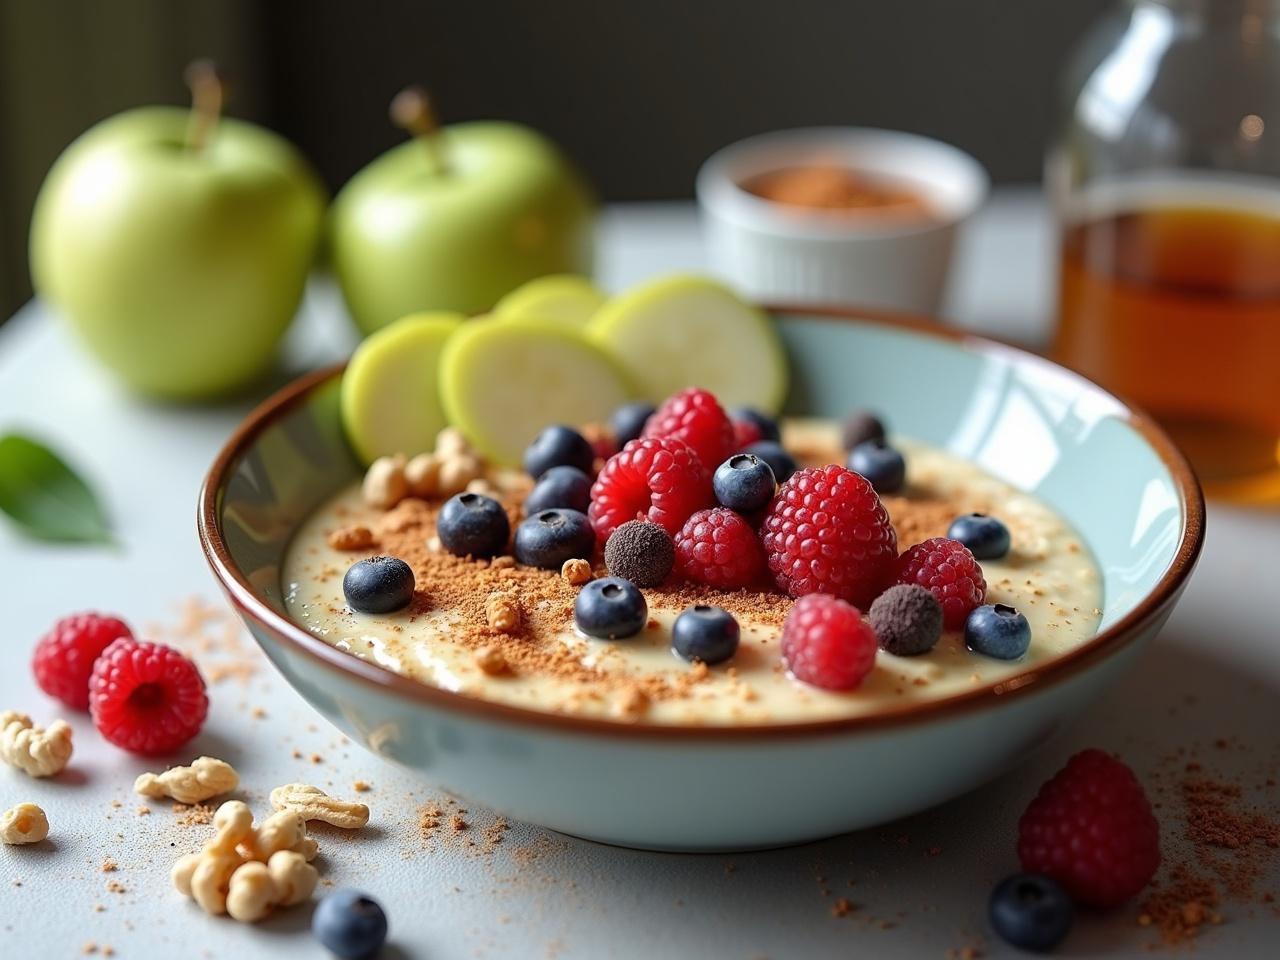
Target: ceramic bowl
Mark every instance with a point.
(1107, 468)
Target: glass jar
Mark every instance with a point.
(1165, 178)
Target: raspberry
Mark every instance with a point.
(949, 571)
(826, 643)
(146, 697)
(745, 433)
(827, 532)
(719, 548)
(1091, 828)
(64, 657)
(658, 480)
(694, 416)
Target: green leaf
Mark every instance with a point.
(45, 497)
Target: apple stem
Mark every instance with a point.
(413, 112)
(208, 92)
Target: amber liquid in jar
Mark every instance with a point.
(1173, 301)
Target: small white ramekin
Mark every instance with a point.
(776, 253)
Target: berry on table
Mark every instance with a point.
(986, 537)
(1031, 912)
(826, 643)
(641, 552)
(350, 924)
(471, 524)
(705, 633)
(63, 658)
(146, 697)
(828, 532)
(696, 417)
(718, 547)
(997, 630)
(751, 423)
(949, 570)
(780, 462)
(549, 538)
(627, 422)
(565, 487)
(658, 480)
(1091, 829)
(859, 427)
(610, 609)
(558, 446)
(744, 483)
(378, 585)
(907, 620)
(879, 463)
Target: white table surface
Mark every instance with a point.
(1213, 673)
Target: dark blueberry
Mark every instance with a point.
(997, 630)
(641, 552)
(986, 537)
(558, 446)
(859, 427)
(350, 924)
(378, 585)
(627, 423)
(566, 487)
(1031, 912)
(550, 537)
(471, 524)
(879, 463)
(610, 609)
(767, 426)
(744, 483)
(907, 619)
(780, 462)
(705, 633)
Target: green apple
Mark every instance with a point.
(180, 264)
(454, 219)
(561, 297)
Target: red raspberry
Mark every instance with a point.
(64, 656)
(694, 416)
(1091, 828)
(825, 642)
(950, 572)
(745, 433)
(719, 548)
(146, 697)
(658, 480)
(827, 532)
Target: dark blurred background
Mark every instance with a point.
(639, 92)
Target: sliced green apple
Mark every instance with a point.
(390, 397)
(562, 297)
(502, 381)
(687, 331)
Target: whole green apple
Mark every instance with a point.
(456, 218)
(179, 264)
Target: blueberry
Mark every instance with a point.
(986, 537)
(378, 585)
(780, 462)
(859, 427)
(558, 446)
(997, 631)
(1030, 911)
(744, 483)
(705, 633)
(350, 924)
(473, 524)
(610, 608)
(550, 537)
(627, 423)
(767, 426)
(565, 487)
(879, 463)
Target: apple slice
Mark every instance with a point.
(687, 331)
(502, 381)
(390, 397)
(562, 297)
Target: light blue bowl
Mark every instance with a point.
(1109, 470)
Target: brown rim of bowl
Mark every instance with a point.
(1118, 635)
